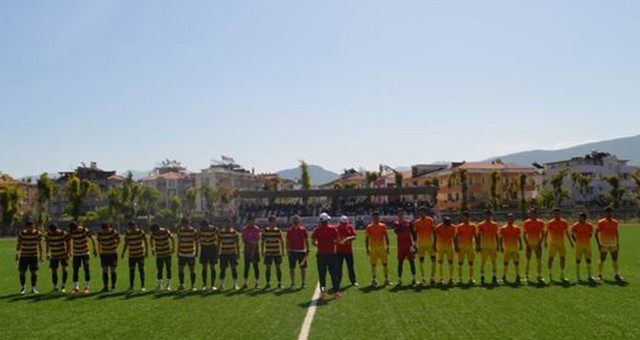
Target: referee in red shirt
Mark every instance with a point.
(325, 238)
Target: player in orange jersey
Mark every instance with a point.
(465, 246)
(608, 241)
(582, 231)
(533, 229)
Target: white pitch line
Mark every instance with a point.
(311, 312)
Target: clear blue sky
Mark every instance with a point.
(337, 83)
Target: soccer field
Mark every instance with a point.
(531, 312)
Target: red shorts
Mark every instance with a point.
(405, 253)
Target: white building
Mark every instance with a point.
(226, 176)
(598, 166)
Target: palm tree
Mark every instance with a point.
(398, 179)
(493, 190)
(581, 183)
(209, 199)
(10, 197)
(46, 189)
(191, 201)
(523, 188)
(371, 177)
(559, 194)
(148, 201)
(617, 192)
(463, 174)
(78, 191)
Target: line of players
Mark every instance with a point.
(420, 238)
(440, 243)
(210, 244)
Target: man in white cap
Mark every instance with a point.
(325, 238)
(347, 234)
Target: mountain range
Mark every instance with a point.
(627, 148)
(319, 175)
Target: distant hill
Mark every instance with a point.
(319, 175)
(625, 148)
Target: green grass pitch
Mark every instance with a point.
(579, 311)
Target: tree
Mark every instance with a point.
(463, 174)
(493, 190)
(581, 183)
(148, 201)
(616, 192)
(305, 175)
(190, 202)
(78, 191)
(559, 193)
(10, 197)
(209, 199)
(399, 178)
(436, 184)
(46, 190)
(371, 177)
(523, 188)
(123, 200)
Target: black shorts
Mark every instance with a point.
(226, 260)
(297, 258)
(269, 259)
(209, 255)
(57, 263)
(163, 261)
(137, 260)
(108, 260)
(186, 261)
(30, 262)
(80, 260)
(251, 258)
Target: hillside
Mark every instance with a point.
(625, 148)
(319, 175)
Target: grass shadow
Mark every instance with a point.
(48, 297)
(136, 295)
(616, 283)
(80, 296)
(371, 289)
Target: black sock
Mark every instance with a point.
(114, 279)
(132, 276)
(105, 279)
(213, 276)
(193, 278)
(54, 278)
(65, 274)
(256, 272)
(23, 279)
(412, 265)
(268, 275)
(181, 278)
(400, 267)
(142, 277)
(204, 277)
(34, 280)
(87, 274)
(234, 273)
(279, 274)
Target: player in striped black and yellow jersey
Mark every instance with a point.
(188, 248)
(58, 249)
(135, 240)
(28, 253)
(80, 237)
(272, 250)
(108, 241)
(209, 235)
(162, 246)
(229, 250)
